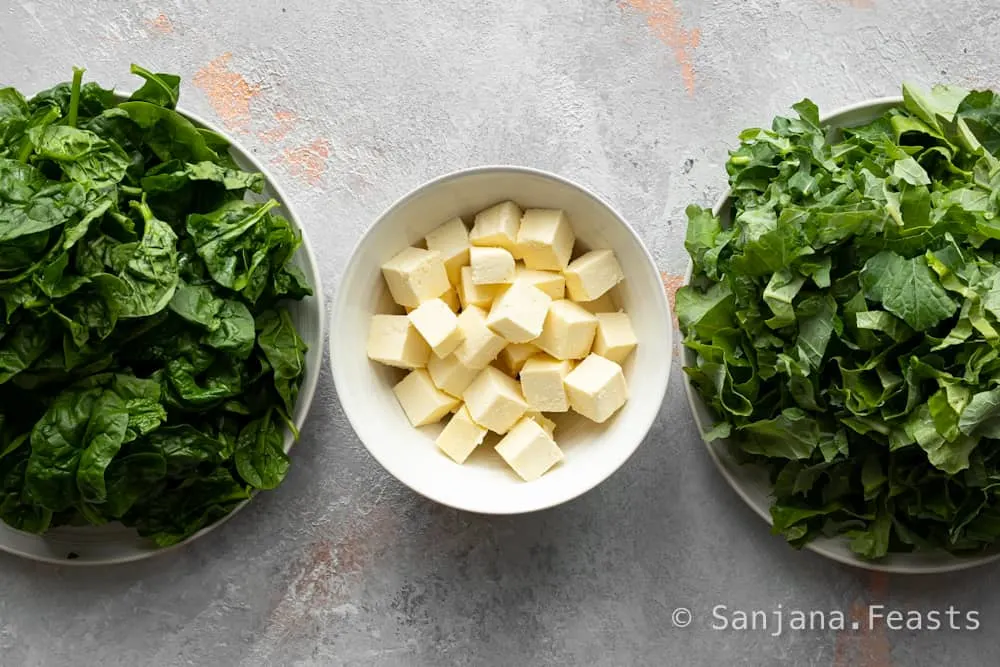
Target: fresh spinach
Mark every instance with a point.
(148, 365)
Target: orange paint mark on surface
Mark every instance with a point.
(227, 91)
(664, 19)
(285, 122)
(326, 575)
(161, 24)
(867, 646)
(308, 161)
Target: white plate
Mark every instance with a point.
(114, 543)
(751, 482)
(484, 483)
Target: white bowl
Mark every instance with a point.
(114, 543)
(484, 483)
(751, 482)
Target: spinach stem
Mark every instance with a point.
(74, 96)
(26, 150)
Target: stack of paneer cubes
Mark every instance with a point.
(503, 326)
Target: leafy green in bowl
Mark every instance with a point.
(842, 323)
(149, 364)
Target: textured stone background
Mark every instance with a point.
(353, 103)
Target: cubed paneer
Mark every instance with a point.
(542, 383)
(451, 241)
(529, 450)
(422, 402)
(471, 294)
(519, 313)
(615, 338)
(568, 332)
(451, 375)
(414, 276)
(553, 284)
(461, 436)
(393, 340)
(480, 345)
(497, 226)
(494, 400)
(591, 275)
(547, 424)
(602, 304)
(545, 239)
(513, 356)
(596, 388)
(438, 325)
(451, 298)
(491, 266)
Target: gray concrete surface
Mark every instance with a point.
(353, 103)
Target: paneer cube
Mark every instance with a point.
(596, 388)
(513, 356)
(519, 314)
(461, 436)
(615, 338)
(451, 241)
(393, 340)
(414, 276)
(602, 304)
(529, 450)
(451, 298)
(568, 332)
(593, 274)
(553, 284)
(438, 325)
(471, 294)
(494, 400)
(491, 266)
(451, 375)
(480, 345)
(547, 424)
(542, 383)
(545, 239)
(422, 402)
(497, 226)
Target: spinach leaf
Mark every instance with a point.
(13, 115)
(82, 155)
(260, 456)
(168, 134)
(29, 204)
(235, 242)
(160, 89)
(174, 175)
(129, 478)
(180, 510)
(92, 99)
(147, 273)
(285, 351)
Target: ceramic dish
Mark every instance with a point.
(484, 483)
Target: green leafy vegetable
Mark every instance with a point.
(148, 365)
(844, 319)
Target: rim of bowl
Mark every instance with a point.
(306, 393)
(821, 546)
(663, 303)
